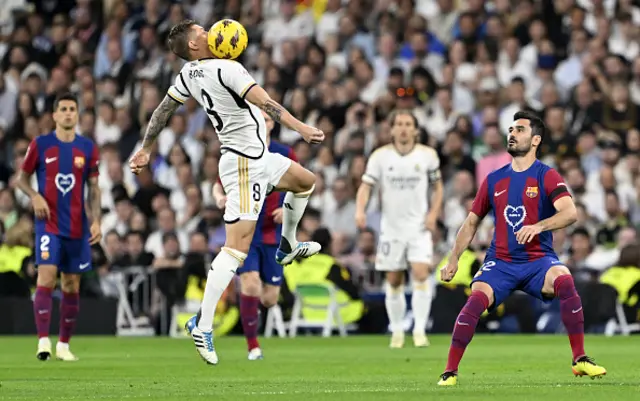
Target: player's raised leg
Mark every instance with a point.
(421, 298)
(464, 329)
(558, 282)
(299, 184)
(244, 183)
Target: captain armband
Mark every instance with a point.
(434, 176)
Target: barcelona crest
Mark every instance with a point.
(78, 161)
(531, 192)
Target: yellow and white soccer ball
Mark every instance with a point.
(227, 39)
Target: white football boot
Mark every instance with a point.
(203, 341)
(300, 251)
(63, 353)
(255, 354)
(44, 349)
(397, 340)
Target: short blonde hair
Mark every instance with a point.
(399, 112)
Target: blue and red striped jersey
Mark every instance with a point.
(267, 231)
(62, 170)
(518, 199)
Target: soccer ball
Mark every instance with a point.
(227, 39)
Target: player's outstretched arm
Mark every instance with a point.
(158, 121)
(258, 96)
(95, 209)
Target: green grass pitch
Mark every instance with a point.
(495, 368)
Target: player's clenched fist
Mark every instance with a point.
(311, 134)
(449, 271)
(40, 207)
(361, 220)
(139, 160)
(527, 233)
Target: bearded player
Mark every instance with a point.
(260, 275)
(528, 200)
(233, 101)
(404, 172)
(64, 163)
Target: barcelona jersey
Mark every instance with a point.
(518, 199)
(62, 170)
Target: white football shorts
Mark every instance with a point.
(395, 253)
(246, 181)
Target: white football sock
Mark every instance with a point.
(396, 305)
(223, 269)
(293, 209)
(421, 305)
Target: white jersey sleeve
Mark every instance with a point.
(433, 168)
(237, 78)
(179, 90)
(373, 173)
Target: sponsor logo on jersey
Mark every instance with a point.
(78, 161)
(531, 192)
(515, 215)
(65, 182)
(417, 167)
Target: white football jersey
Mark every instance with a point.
(404, 184)
(220, 87)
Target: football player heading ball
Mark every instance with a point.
(234, 103)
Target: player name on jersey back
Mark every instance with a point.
(220, 87)
(403, 181)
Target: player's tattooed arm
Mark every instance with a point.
(273, 109)
(95, 196)
(158, 121)
(276, 111)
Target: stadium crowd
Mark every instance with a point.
(464, 67)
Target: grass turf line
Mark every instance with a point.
(500, 368)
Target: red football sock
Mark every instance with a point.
(69, 308)
(42, 310)
(249, 316)
(465, 328)
(571, 313)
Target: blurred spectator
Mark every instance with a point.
(166, 225)
(17, 270)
